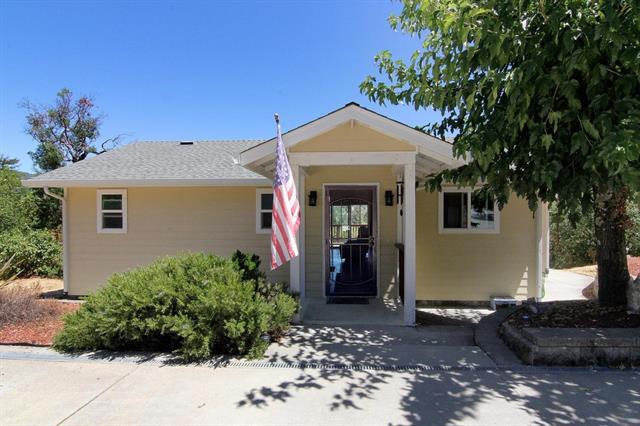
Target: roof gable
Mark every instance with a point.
(437, 149)
(352, 137)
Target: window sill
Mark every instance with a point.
(112, 231)
(469, 231)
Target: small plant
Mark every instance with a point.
(22, 304)
(194, 304)
(6, 277)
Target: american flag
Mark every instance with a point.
(285, 216)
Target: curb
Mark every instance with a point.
(486, 337)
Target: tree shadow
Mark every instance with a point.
(357, 365)
(563, 396)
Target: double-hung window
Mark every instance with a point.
(112, 211)
(467, 211)
(264, 207)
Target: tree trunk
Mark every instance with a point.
(610, 224)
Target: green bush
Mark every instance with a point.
(35, 252)
(574, 243)
(18, 205)
(194, 304)
(249, 266)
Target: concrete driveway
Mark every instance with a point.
(564, 285)
(319, 375)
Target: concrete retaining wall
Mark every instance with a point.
(574, 346)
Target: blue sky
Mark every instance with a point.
(193, 70)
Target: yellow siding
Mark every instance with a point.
(317, 176)
(356, 138)
(475, 266)
(162, 221)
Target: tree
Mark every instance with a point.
(543, 99)
(8, 162)
(66, 131)
(17, 203)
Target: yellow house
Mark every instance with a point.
(369, 230)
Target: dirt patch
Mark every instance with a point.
(592, 270)
(574, 314)
(588, 270)
(40, 331)
(27, 319)
(45, 285)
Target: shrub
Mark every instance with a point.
(249, 266)
(194, 304)
(34, 252)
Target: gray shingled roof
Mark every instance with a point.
(157, 162)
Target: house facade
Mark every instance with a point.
(369, 229)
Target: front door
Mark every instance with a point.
(350, 244)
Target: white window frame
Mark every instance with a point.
(260, 210)
(468, 229)
(100, 211)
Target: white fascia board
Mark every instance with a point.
(132, 183)
(447, 159)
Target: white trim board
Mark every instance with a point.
(100, 211)
(466, 231)
(259, 192)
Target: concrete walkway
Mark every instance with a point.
(564, 285)
(435, 347)
(119, 391)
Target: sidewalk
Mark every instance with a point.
(106, 392)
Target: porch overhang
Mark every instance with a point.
(431, 154)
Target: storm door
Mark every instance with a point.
(350, 231)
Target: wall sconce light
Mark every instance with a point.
(388, 198)
(399, 191)
(313, 198)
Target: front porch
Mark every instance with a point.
(349, 148)
(378, 311)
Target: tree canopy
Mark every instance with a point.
(543, 97)
(8, 162)
(67, 131)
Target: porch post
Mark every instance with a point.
(409, 214)
(301, 232)
(294, 264)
